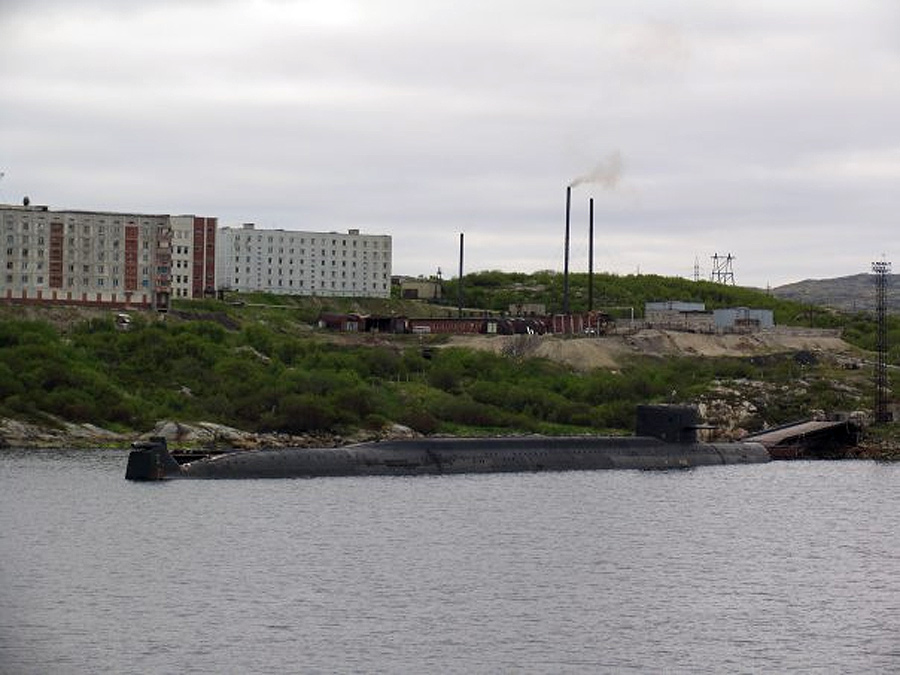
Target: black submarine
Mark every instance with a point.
(666, 438)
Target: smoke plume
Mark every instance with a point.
(607, 173)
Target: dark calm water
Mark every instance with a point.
(790, 567)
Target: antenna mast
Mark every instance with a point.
(722, 271)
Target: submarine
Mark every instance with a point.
(666, 437)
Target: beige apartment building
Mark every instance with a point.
(99, 258)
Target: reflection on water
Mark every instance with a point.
(783, 567)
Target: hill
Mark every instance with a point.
(854, 293)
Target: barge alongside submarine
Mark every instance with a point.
(666, 438)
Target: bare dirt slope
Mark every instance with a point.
(610, 351)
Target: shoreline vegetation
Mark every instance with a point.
(258, 371)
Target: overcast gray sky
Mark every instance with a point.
(768, 129)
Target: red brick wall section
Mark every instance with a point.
(56, 255)
(209, 277)
(204, 256)
(131, 257)
(197, 259)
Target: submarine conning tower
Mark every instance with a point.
(670, 423)
(150, 460)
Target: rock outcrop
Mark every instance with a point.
(205, 435)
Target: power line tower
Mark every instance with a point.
(696, 268)
(882, 414)
(722, 270)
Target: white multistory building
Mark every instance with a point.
(303, 263)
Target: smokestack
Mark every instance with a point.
(566, 258)
(459, 295)
(591, 258)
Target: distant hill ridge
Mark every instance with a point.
(855, 293)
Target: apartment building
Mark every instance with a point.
(97, 258)
(303, 263)
(193, 256)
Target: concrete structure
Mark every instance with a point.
(810, 439)
(674, 306)
(303, 263)
(92, 258)
(743, 318)
(676, 315)
(193, 256)
(694, 316)
(418, 288)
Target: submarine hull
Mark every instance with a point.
(453, 455)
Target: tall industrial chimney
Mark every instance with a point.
(566, 258)
(591, 258)
(459, 295)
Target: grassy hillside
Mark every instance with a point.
(256, 362)
(267, 376)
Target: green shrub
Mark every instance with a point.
(419, 420)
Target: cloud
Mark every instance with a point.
(748, 128)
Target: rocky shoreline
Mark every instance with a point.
(206, 436)
(194, 436)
